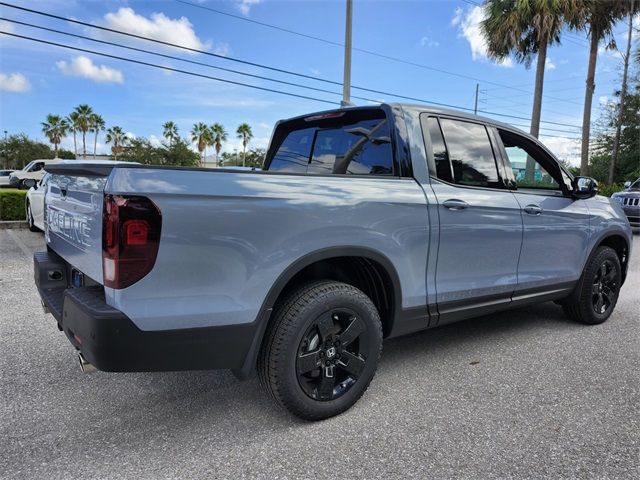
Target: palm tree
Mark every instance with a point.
(55, 129)
(170, 132)
(598, 18)
(244, 132)
(117, 137)
(525, 28)
(96, 125)
(73, 120)
(219, 137)
(201, 136)
(633, 7)
(84, 113)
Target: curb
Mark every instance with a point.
(13, 224)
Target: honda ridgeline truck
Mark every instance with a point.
(364, 224)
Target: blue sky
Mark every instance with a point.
(36, 79)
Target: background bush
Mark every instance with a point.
(608, 190)
(12, 204)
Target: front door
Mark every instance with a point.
(556, 227)
(479, 219)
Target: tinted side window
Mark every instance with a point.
(470, 153)
(440, 156)
(529, 164)
(293, 155)
(360, 148)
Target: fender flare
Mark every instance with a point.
(264, 315)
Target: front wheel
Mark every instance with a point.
(598, 289)
(30, 222)
(322, 349)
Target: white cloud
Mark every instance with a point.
(315, 72)
(14, 82)
(222, 49)
(428, 42)
(549, 65)
(160, 27)
(6, 27)
(603, 51)
(566, 149)
(469, 28)
(245, 5)
(82, 66)
(155, 141)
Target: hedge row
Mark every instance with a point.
(12, 204)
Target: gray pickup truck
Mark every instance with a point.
(364, 224)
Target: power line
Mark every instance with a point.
(194, 62)
(362, 50)
(379, 92)
(163, 67)
(263, 66)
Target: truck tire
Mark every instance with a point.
(597, 292)
(321, 350)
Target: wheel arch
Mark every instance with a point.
(619, 243)
(365, 268)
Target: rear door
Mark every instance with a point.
(556, 226)
(480, 221)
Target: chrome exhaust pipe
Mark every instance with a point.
(85, 367)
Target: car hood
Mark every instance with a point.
(627, 194)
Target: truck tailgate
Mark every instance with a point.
(74, 203)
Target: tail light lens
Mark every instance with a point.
(130, 239)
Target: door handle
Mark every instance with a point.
(533, 209)
(455, 204)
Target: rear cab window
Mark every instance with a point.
(347, 142)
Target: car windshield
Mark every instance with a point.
(28, 166)
(635, 186)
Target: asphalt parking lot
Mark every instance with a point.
(522, 394)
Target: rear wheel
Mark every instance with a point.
(322, 350)
(598, 289)
(32, 225)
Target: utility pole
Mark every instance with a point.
(475, 105)
(346, 82)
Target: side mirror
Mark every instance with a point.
(28, 183)
(627, 184)
(584, 187)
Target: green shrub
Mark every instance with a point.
(12, 204)
(608, 190)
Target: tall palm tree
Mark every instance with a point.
(220, 136)
(84, 113)
(524, 29)
(633, 8)
(598, 18)
(73, 120)
(55, 129)
(117, 138)
(244, 132)
(170, 132)
(96, 125)
(201, 136)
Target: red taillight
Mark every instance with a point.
(130, 239)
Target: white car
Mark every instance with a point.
(34, 203)
(4, 177)
(33, 170)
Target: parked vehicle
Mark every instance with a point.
(33, 170)
(629, 199)
(366, 223)
(34, 202)
(4, 178)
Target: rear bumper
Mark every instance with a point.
(110, 341)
